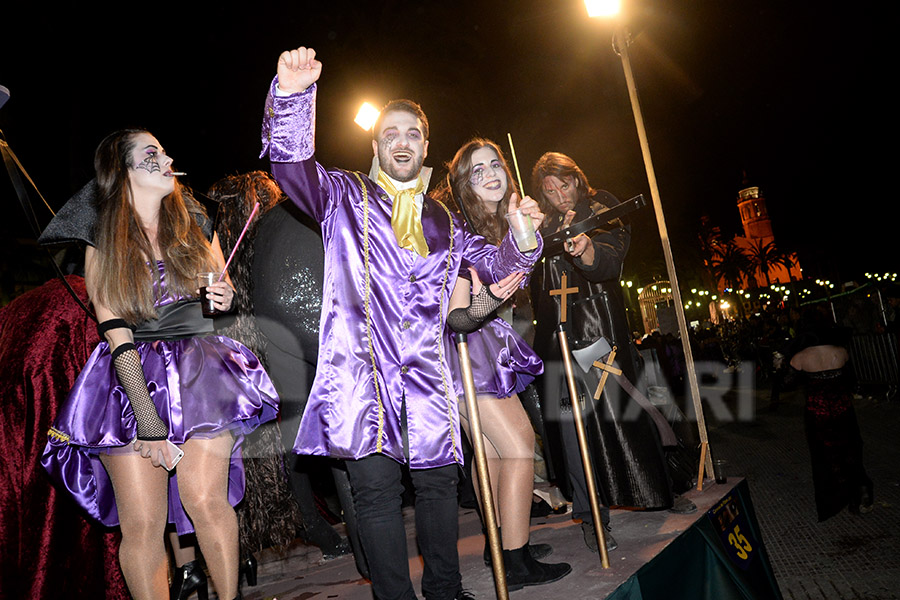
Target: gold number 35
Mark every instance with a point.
(739, 541)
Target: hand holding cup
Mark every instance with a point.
(216, 296)
(524, 217)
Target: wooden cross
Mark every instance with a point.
(607, 368)
(563, 293)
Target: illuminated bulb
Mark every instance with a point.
(366, 116)
(602, 8)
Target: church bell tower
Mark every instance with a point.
(754, 217)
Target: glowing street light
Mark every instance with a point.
(366, 116)
(603, 8)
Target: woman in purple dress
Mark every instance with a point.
(503, 364)
(160, 383)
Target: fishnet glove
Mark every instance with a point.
(127, 362)
(467, 320)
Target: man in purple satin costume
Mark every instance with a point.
(383, 398)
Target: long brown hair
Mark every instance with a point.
(492, 226)
(123, 282)
(236, 196)
(562, 167)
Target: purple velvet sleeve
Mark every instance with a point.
(505, 259)
(289, 125)
(288, 137)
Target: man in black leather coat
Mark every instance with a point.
(627, 456)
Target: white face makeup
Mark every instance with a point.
(401, 146)
(561, 193)
(488, 179)
(151, 169)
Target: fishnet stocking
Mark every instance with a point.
(131, 376)
(483, 304)
(467, 320)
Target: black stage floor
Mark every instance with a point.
(641, 535)
(847, 557)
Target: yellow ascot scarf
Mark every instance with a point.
(405, 219)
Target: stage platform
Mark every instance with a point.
(660, 555)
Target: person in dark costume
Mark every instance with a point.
(503, 365)
(160, 380)
(627, 455)
(281, 262)
(832, 432)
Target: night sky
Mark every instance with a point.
(787, 92)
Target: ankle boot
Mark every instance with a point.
(522, 569)
(537, 551)
(248, 568)
(189, 578)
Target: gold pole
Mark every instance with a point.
(583, 446)
(703, 449)
(481, 466)
(621, 42)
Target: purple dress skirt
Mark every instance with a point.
(202, 385)
(503, 364)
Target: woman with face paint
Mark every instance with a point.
(503, 364)
(160, 385)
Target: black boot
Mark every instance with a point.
(247, 568)
(538, 551)
(522, 569)
(189, 578)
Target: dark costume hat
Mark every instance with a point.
(74, 222)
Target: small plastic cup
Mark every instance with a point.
(207, 305)
(523, 230)
(720, 470)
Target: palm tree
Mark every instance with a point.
(709, 249)
(787, 260)
(763, 256)
(732, 265)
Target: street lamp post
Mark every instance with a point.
(621, 41)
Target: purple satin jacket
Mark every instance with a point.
(382, 330)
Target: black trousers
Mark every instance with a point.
(377, 489)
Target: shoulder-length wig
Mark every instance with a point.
(562, 167)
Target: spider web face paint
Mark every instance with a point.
(149, 164)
